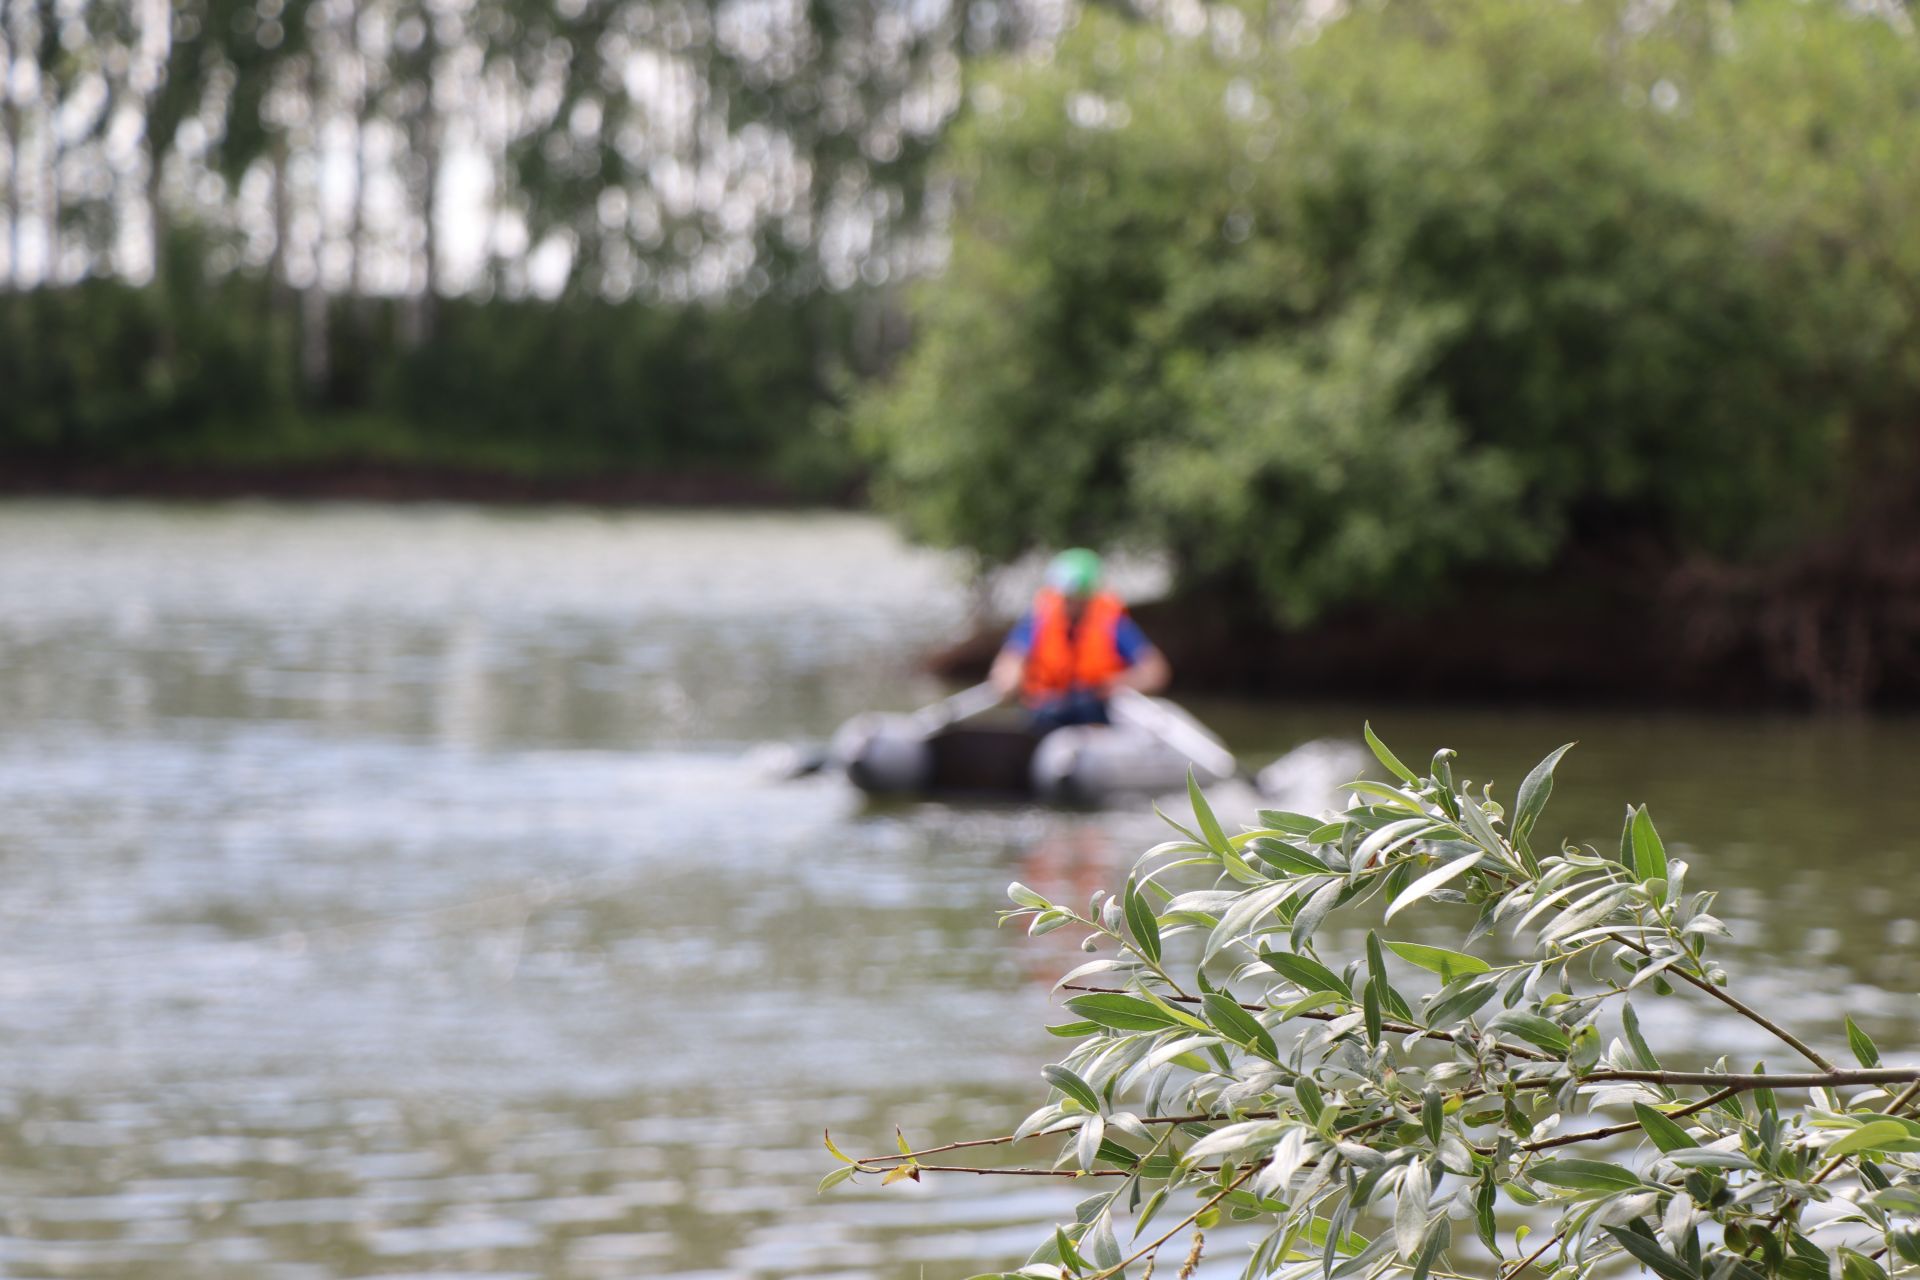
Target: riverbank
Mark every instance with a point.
(1836, 627)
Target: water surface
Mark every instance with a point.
(394, 893)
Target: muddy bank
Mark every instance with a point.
(1836, 627)
(394, 482)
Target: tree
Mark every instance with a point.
(1443, 290)
(1354, 1109)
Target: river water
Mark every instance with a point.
(395, 892)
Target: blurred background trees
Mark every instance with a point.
(1337, 306)
(603, 233)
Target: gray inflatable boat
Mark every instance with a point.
(965, 748)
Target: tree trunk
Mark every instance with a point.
(10, 110)
(313, 299)
(50, 179)
(357, 168)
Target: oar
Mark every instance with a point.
(952, 709)
(1130, 706)
(963, 705)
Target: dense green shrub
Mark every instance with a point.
(1440, 287)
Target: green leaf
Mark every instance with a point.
(1448, 964)
(1203, 814)
(1858, 1266)
(1642, 1051)
(1649, 854)
(1306, 973)
(1391, 1000)
(1459, 1000)
(1294, 824)
(1534, 1029)
(834, 1178)
(1307, 920)
(1238, 1025)
(1663, 1129)
(1387, 758)
(1440, 876)
(1534, 792)
(1370, 1008)
(1484, 1198)
(1122, 1012)
(1862, 1045)
(1432, 1115)
(1585, 1175)
(1286, 858)
(1072, 1030)
(1141, 920)
(1870, 1137)
(1063, 1079)
(837, 1153)
(1650, 1255)
(1311, 1001)
(1026, 897)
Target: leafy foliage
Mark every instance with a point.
(105, 372)
(1443, 287)
(1438, 1113)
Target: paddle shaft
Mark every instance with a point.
(1137, 709)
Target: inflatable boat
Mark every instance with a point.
(967, 747)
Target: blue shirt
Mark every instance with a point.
(1128, 639)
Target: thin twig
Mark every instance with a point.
(1760, 1080)
(1535, 1256)
(1026, 1173)
(1322, 1015)
(1739, 1006)
(1615, 1130)
(1180, 1226)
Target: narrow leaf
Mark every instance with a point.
(1649, 854)
(1862, 1044)
(1448, 964)
(1203, 815)
(1387, 758)
(1063, 1079)
(1663, 1129)
(1534, 792)
(1444, 874)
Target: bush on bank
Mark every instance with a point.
(1434, 289)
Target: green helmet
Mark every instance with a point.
(1075, 572)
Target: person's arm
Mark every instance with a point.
(1147, 669)
(1148, 674)
(1010, 664)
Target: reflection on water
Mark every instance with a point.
(386, 893)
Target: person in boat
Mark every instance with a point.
(1074, 647)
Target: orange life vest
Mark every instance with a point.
(1064, 655)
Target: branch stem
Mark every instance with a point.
(1326, 1015)
(1739, 1006)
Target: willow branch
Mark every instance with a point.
(1739, 1006)
(1535, 1256)
(1831, 1079)
(1323, 1015)
(1026, 1173)
(1615, 1130)
(1182, 1225)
